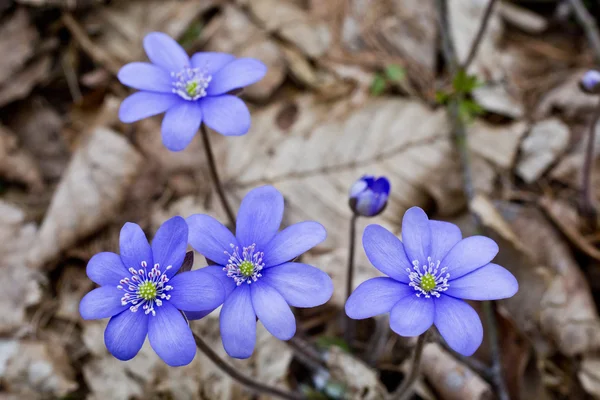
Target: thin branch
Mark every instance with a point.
(588, 23)
(215, 176)
(247, 381)
(405, 390)
(587, 204)
(349, 323)
(477, 41)
(474, 364)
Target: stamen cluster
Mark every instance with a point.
(145, 289)
(244, 268)
(190, 83)
(429, 281)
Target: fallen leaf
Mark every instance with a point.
(17, 165)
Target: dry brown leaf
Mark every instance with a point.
(22, 82)
(89, 195)
(362, 382)
(567, 98)
(497, 144)
(17, 44)
(17, 165)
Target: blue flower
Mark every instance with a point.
(430, 272)
(191, 91)
(255, 269)
(590, 82)
(141, 294)
(369, 195)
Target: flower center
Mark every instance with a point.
(145, 288)
(428, 280)
(190, 83)
(245, 267)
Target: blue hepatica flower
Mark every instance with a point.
(430, 272)
(141, 294)
(590, 82)
(369, 195)
(255, 269)
(191, 91)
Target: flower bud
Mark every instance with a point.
(590, 82)
(369, 195)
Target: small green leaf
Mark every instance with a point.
(468, 110)
(395, 73)
(326, 342)
(465, 83)
(378, 85)
(442, 97)
(191, 34)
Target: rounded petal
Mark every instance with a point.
(169, 245)
(376, 296)
(226, 114)
(210, 238)
(293, 241)
(416, 235)
(145, 76)
(490, 282)
(196, 291)
(211, 62)
(106, 269)
(259, 217)
(228, 285)
(272, 310)
(412, 315)
(165, 52)
(386, 252)
(301, 285)
(125, 334)
(458, 324)
(238, 323)
(444, 236)
(468, 255)
(171, 337)
(180, 124)
(236, 74)
(102, 302)
(142, 105)
(134, 247)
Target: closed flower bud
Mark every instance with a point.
(590, 82)
(369, 195)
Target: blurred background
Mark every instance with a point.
(353, 87)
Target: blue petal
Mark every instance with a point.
(125, 334)
(412, 315)
(180, 124)
(238, 323)
(228, 285)
(196, 291)
(210, 238)
(490, 282)
(259, 217)
(386, 252)
(169, 245)
(102, 302)
(106, 269)
(444, 236)
(211, 62)
(226, 114)
(171, 337)
(301, 285)
(376, 296)
(458, 324)
(293, 241)
(142, 105)
(468, 255)
(165, 52)
(236, 74)
(272, 310)
(416, 235)
(145, 76)
(381, 186)
(358, 187)
(135, 249)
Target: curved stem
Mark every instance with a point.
(587, 201)
(477, 41)
(349, 323)
(405, 390)
(215, 176)
(248, 382)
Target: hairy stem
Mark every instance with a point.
(349, 323)
(215, 176)
(587, 206)
(246, 381)
(405, 390)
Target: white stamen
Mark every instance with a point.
(440, 277)
(234, 264)
(134, 286)
(191, 83)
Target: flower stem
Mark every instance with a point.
(405, 390)
(477, 41)
(587, 207)
(349, 323)
(215, 176)
(248, 382)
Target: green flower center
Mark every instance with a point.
(147, 290)
(246, 268)
(191, 88)
(428, 282)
